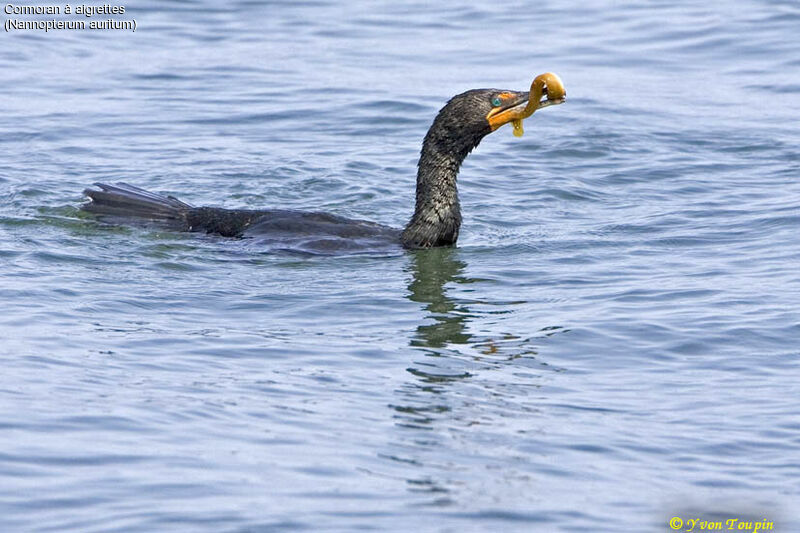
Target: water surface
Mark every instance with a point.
(612, 343)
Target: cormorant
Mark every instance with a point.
(455, 132)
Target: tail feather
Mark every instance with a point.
(124, 200)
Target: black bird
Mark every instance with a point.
(455, 132)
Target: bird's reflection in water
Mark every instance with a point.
(451, 352)
(435, 272)
(465, 382)
(433, 269)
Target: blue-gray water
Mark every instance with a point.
(614, 341)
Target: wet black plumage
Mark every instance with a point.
(455, 132)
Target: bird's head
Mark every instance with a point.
(470, 116)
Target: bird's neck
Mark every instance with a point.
(437, 215)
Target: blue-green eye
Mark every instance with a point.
(496, 101)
